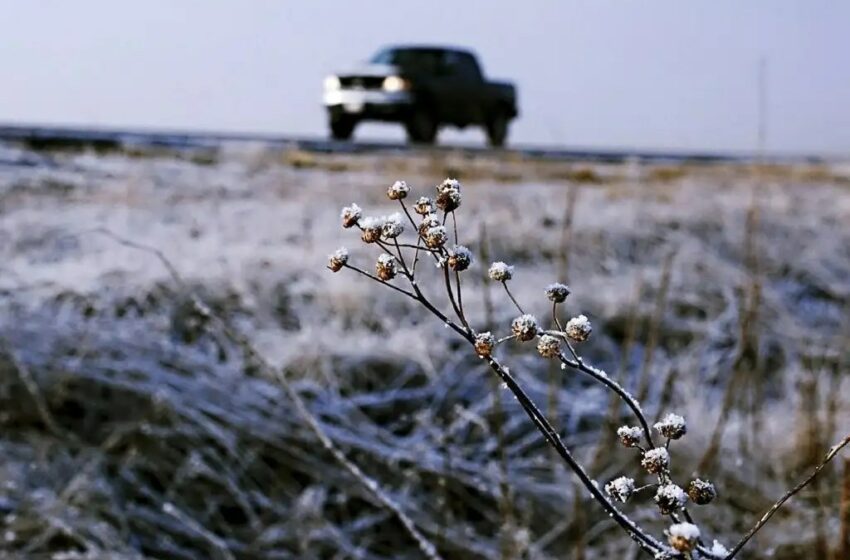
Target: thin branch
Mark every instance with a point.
(603, 378)
(773, 509)
(510, 295)
(379, 281)
(646, 542)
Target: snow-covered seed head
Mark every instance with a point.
(448, 195)
(557, 292)
(524, 327)
(398, 190)
(338, 259)
(549, 346)
(578, 329)
(484, 344)
(393, 226)
(671, 426)
(656, 460)
(500, 272)
(683, 536)
(435, 237)
(424, 206)
(701, 492)
(350, 215)
(670, 498)
(629, 436)
(373, 228)
(428, 221)
(621, 488)
(460, 258)
(386, 268)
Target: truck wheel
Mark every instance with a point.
(421, 128)
(497, 129)
(342, 127)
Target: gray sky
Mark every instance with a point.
(649, 74)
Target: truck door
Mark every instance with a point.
(466, 91)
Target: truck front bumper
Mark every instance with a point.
(368, 104)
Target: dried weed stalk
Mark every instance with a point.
(433, 230)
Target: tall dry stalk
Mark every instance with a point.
(746, 364)
(654, 329)
(844, 535)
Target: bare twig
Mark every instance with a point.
(833, 451)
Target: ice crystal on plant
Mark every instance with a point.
(350, 215)
(579, 328)
(672, 426)
(393, 226)
(683, 536)
(338, 259)
(621, 488)
(524, 327)
(398, 190)
(557, 292)
(500, 272)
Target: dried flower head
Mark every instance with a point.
(429, 221)
(525, 327)
(393, 226)
(670, 498)
(500, 272)
(629, 435)
(683, 536)
(701, 492)
(350, 215)
(424, 206)
(671, 426)
(373, 228)
(386, 267)
(448, 195)
(549, 346)
(579, 329)
(484, 344)
(436, 237)
(656, 460)
(398, 190)
(621, 488)
(338, 259)
(460, 258)
(557, 292)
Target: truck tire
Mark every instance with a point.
(497, 129)
(421, 127)
(342, 127)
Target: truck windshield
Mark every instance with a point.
(415, 60)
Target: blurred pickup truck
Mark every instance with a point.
(422, 88)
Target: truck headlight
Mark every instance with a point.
(332, 83)
(395, 83)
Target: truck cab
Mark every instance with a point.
(422, 88)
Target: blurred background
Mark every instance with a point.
(664, 75)
(176, 360)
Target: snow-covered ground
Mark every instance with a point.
(97, 340)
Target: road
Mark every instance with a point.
(70, 137)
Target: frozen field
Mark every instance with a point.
(130, 429)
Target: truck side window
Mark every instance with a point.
(462, 65)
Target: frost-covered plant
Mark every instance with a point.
(400, 260)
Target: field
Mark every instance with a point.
(135, 426)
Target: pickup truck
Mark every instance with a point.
(422, 88)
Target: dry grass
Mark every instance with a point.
(150, 410)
